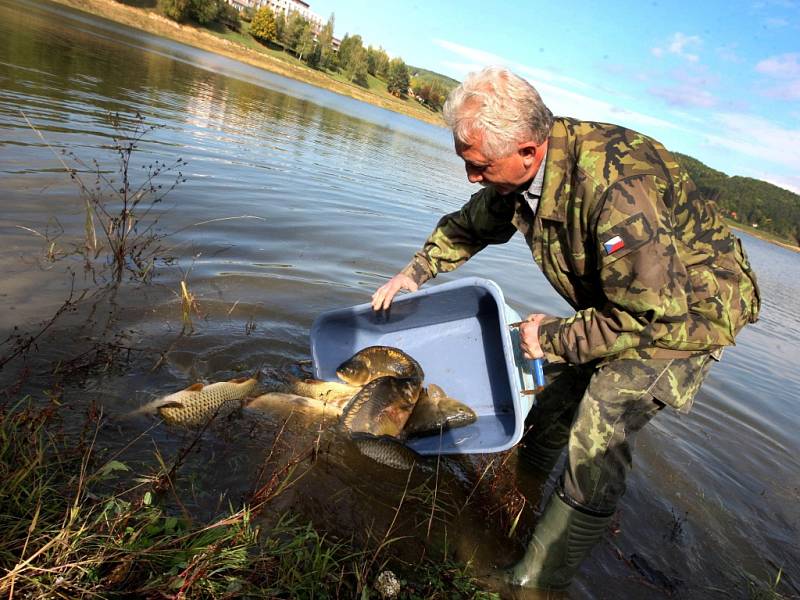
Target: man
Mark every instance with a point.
(658, 282)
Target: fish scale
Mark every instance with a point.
(383, 406)
(196, 404)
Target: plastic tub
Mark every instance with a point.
(459, 332)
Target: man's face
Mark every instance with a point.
(506, 173)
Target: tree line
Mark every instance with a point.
(204, 12)
(748, 201)
(295, 34)
(355, 61)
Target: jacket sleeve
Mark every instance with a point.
(484, 220)
(642, 278)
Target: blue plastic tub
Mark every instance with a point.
(459, 332)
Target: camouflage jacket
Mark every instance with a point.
(624, 236)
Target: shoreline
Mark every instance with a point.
(762, 236)
(152, 22)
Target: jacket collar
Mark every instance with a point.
(558, 168)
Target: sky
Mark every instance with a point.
(719, 81)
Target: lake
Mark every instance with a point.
(296, 201)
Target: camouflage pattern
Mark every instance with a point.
(680, 286)
(596, 413)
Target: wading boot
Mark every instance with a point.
(563, 536)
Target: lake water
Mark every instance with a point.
(297, 201)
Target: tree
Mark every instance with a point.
(350, 44)
(325, 40)
(202, 11)
(306, 42)
(205, 11)
(280, 28)
(377, 62)
(356, 68)
(397, 78)
(262, 26)
(432, 93)
(295, 26)
(177, 10)
(229, 17)
(314, 57)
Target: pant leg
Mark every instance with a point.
(549, 421)
(620, 399)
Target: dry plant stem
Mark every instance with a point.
(477, 483)
(385, 540)
(279, 480)
(64, 533)
(436, 483)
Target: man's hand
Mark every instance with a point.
(529, 336)
(383, 296)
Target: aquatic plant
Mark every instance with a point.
(121, 206)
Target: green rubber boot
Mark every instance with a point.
(563, 536)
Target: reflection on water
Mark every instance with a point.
(330, 197)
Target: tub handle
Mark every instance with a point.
(537, 369)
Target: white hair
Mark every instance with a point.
(501, 106)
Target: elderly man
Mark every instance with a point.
(658, 282)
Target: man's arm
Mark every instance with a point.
(484, 220)
(643, 280)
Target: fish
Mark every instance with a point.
(378, 361)
(435, 412)
(195, 405)
(382, 406)
(385, 450)
(270, 401)
(328, 392)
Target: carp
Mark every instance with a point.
(436, 412)
(196, 404)
(383, 406)
(385, 450)
(327, 392)
(378, 361)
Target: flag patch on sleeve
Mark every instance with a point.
(614, 244)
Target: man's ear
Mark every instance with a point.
(528, 152)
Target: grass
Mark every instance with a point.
(75, 524)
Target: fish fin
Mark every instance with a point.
(434, 391)
(255, 378)
(195, 387)
(170, 404)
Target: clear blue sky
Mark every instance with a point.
(717, 80)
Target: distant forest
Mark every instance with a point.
(748, 201)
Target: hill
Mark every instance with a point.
(750, 202)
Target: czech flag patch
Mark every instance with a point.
(614, 244)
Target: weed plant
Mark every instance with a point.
(75, 525)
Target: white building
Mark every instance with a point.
(284, 6)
